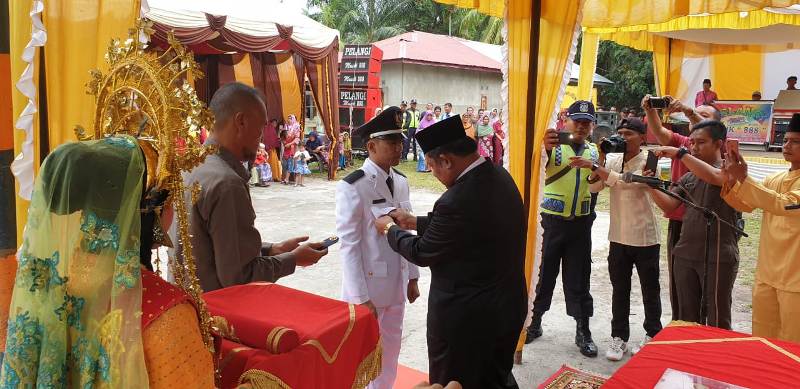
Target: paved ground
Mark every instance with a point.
(285, 212)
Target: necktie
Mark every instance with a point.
(390, 184)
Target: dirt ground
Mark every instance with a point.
(285, 212)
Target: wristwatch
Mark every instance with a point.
(681, 152)
(388, 227)
(595, 166)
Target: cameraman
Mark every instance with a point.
(666, 137)
(723, 243)
(633, 232)
(567, 222)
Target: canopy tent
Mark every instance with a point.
(47, 106)
(541, 37)
(763, 44)
(261, 44)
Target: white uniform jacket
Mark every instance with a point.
(372, 270)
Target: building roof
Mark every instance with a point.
(442, 50)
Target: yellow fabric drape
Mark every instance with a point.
(291, 92)
(729, 20)
(20, 34)
(661, 60)
(487, 7)
(557, 28)
(518, 23)
(78, 34)
(571, 96)
(616, 13)
(243, 71)
(729, 63)
(589, 45)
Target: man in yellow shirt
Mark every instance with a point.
(776, 293)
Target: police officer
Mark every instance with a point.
(373, 274)
(567, 218)
(411, 121)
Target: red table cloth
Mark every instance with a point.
(337, 344)
(722, 355)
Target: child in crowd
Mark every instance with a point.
(262, 165)
(301, 158)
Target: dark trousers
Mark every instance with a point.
(689, 285)
(569, 241)
(621, 260)
(673, 236)
(410, 144)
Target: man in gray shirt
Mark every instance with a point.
(226, 244)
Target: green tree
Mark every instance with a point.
(630, 70)
(364, 21)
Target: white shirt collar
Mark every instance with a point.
(475, 164)
(373, 168)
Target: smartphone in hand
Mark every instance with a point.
(330, 241)
(732, 145)
(652, 161)
(564, 138)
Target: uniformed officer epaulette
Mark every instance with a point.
(398, 172)
(354, 176)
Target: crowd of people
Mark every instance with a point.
(485, 127)
(708, 171)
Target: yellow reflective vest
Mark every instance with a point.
(568, 196)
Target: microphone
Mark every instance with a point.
(649, 181)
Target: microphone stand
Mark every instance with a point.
(710, 217)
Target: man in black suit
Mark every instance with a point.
(474, 243)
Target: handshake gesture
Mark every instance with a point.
(400, 217)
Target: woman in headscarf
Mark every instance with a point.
(494, 117)
(484, 135)
(427, 121)
(82, 313)
(469, 128)
(290, 147)
(497, 140)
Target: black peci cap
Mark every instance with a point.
(388, 123)
(441, 133)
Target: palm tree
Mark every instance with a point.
(363, 21)
(366, 21)
(473, 25)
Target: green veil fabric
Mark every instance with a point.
(75, 315)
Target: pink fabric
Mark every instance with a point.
(705, 98)
(424, 123)
(677, 170)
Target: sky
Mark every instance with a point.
(296, 5)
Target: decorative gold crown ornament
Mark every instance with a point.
(146, 94)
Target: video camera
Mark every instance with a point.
(613, 144)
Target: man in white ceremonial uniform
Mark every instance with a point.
(374, 274)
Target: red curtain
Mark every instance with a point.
(322, 76)
(265, 79)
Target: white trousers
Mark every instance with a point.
(390, 320)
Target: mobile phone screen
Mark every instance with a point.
(652, 161)
(564, 138)
(330, 241)
(732, 145)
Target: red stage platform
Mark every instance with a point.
(727, 356)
